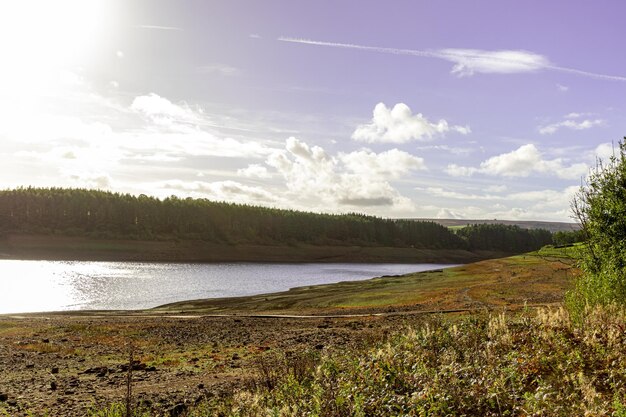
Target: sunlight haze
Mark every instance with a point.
(445, 109)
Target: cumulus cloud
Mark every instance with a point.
(392, 163)
(604, 151)
(399, 125)
(522, 162)
(349, 180)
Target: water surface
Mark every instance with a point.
(34, 286)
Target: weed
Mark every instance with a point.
(542, 364)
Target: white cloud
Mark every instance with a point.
(471, 61)
(193, 142)
(604, 151)
(219, 69)
(254, 171)
(575, 115)
(546, 204)
(562, 88)
(161, 109)
(231, 191)
(348, 181)
(157, 27)
(496, 188)
(392, 163)
(446, 148)
(440, 192)
(570, 123)
(399, 125)
(87, 179)
(522, 162)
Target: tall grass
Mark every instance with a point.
(542, 364)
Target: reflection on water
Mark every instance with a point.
(29, 286)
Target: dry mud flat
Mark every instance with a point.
(65, 366)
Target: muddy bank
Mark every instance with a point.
(85, 249)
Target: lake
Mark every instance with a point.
(36, 286)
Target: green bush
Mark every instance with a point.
(600, 207)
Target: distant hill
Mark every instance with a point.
(524, 224)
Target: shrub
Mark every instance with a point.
(600, 207)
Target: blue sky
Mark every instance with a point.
(483, 109)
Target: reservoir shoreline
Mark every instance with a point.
(44, 247)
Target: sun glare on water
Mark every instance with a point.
(33, 286)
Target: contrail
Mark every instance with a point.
(467, 57)
(588, 74)
(394, 51)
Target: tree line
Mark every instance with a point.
(101, 214)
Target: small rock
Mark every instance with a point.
(54, 370)
(200, 386)
(319, 346)
(53, 385)
(30, 365)
(235, 356)
(96, 370)
(4, 396)
(45, 340)
(12, 402)
(177, 410)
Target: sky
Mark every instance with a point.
(402, 109)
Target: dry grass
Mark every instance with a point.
(537, 364)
